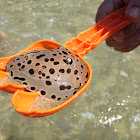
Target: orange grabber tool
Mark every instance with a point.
(80, 45)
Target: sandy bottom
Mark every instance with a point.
(41, 103)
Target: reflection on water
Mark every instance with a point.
(108, 110)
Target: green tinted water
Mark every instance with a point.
(108, 110)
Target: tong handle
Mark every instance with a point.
(92, 37)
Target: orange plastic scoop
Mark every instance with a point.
(46, 77)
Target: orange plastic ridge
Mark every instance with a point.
(2, 69)
(92, 37)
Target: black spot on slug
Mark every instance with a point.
(43, 92)
(59, 47)
(46, 59)
(11, 73)
(58, 99)
(32, 88)
(22, 79)
(24, 83)
(23, 66)
(19, 64)
(31, 71)
(62, 87)
(47, 77)
(64, 60)
(29, 62)
(75, 72)
(77, 78)
(68, 70)
(11, 66)
(61, 70)
(54, 54)
(44, 67)
(56, 63)
(37, 64)
(15, 77)
(52, 59)
(26, 57)
(68, 87)
(87, 75)
(53, 96)
(52, 71)
(82, 66)
(74, 92)
(64, 52)
(40, 72)
(80, 85)
(39, 56)
(17, 58)
(48, 83)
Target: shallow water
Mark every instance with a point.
(108, 110)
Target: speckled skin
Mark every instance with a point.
(55, 74)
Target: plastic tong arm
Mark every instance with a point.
(92, 37)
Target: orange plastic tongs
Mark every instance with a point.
(80, 45)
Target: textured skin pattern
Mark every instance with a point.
(55, 74)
